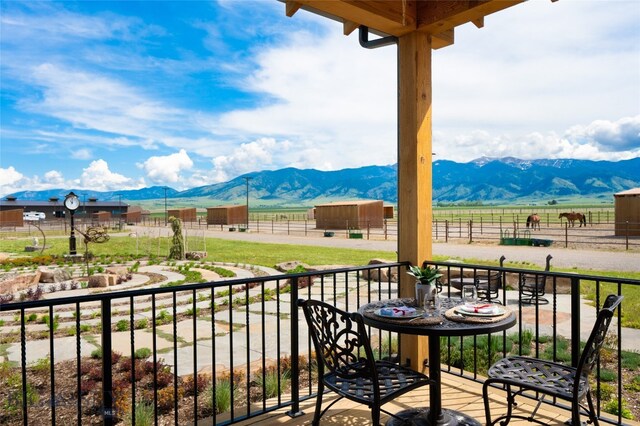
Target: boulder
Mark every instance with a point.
(48, 275)
(120, 271)
(195, 255)
(13, 283)
(381, 275)
(291, 265)
(99, 280)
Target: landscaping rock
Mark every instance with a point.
(99, 280)
(120, 271)
(381, 275)
(13, 283)
(291, 265)
(195, 255)
(48, 275)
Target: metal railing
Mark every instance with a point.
(241, 341)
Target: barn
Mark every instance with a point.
(227, 215)
(627, 212)
(187, 214)
(350, 215)
(11, 218)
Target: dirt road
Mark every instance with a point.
(598, 260)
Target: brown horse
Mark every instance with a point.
(572, 217)
(534, 220)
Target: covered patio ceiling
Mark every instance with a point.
(436, 18)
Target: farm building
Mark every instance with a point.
(350, 215)
(627, 209)
(11, 217)
(186, 215)
(55, 209)
(101, 217)
(388, 212)
(134, 214)
(226, 215)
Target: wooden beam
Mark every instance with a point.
(397, 17)
(479, 23)
(291, 8)
(414, 169)
(443, 39)
(348, 27)
(437, 16)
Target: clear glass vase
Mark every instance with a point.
(427, 297)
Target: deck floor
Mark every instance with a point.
(458, 394)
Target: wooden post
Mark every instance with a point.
(414, 170)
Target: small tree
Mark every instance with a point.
(177, 242)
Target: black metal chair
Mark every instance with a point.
(342, 347)
(489, 285)
(557, 380)
(533, 286)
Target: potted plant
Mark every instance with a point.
(426, 288)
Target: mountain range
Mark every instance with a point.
(487, 180)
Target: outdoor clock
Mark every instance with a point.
(71, 201)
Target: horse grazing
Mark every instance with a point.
(572, 217)
(534, 221)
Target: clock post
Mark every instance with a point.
(71, 202)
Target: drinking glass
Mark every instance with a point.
(469, 293)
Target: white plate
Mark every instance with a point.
(418, 313)
(500, 311)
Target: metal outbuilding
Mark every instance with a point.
(350, 215)
(627, 212)
(187, 214)
(226, 215)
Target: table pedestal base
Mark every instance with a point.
(420, 417)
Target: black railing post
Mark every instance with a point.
(108, 413)
(295, 365)
(575, 321)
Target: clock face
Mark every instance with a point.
(72, 202)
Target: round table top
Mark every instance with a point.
(446, 327)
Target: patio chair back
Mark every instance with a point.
(342, 347)
(552, 378)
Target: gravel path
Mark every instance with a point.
(597, 260)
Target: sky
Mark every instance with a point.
(113, 95)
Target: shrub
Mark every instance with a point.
(608, 375)
(165, 399)
(190, 385)
(122, 325)
(96, 353)
(611, 407)
(52, 324)
(141, 323)
(142, 353)
(273, 383)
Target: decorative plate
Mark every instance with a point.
(496, 313)
(418, 313)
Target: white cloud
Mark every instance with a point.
(9, 175)
(99, 178)
(54, 178)
(167, 169)
(81, 154)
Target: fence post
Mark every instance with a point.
(295, 367)
(288, 223)
(385, 229)
(272, 225)
(575, 321)
(436, 229)
(108, 413)
(459, 227)
(566, 234)
(368, 229)
(258, 225)
(626, 233)
(446, 231)
(305, 227)
(480, 225)
(470, 231)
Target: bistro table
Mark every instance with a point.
(457, 283)
(446, 323)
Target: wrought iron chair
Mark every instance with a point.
(551, 378)
(488, 285)
(533, 286)
(342, 347)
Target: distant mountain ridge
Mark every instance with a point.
(490, 180)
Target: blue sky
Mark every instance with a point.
(122, 95)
